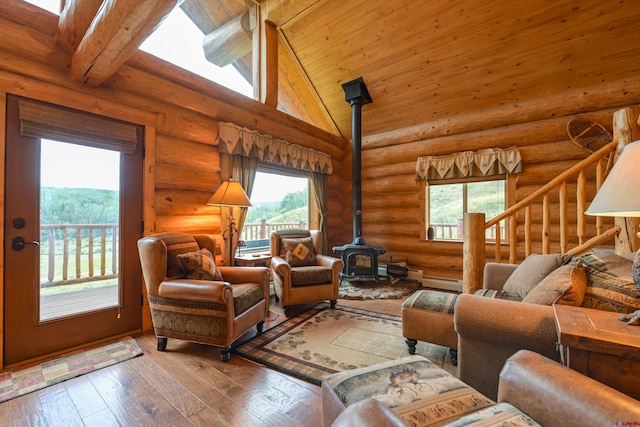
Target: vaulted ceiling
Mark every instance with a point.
(424, 61)
(421, 61)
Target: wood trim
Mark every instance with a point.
(3, 138)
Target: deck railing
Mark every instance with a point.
(444, 231)
(262, 230)
(76, 253)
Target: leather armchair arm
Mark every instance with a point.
(553, 394)
(508, 324)
(259, 275)
(280, 266)
(329, 261)
(496, 274)
(196, 290)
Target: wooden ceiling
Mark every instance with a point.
(421, 61)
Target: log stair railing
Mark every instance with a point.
(475, 227)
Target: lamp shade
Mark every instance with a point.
(620, 191)
(230, 193)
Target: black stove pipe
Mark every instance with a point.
(357, 95)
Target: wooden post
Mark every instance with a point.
(625, 131)
(473, 250)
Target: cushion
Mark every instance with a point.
(610, 285)
(497, 294)
(177, 243)
(416, 389)
(434, 301)
(565, 285)
(245, 296)
(299, 252)
(199, 265)
(310, 275)
(531, 271)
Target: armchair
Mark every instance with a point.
(301, 274)
(215, 312)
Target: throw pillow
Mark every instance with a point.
(299, 252)
(200, 265)
(531, 271)
(565, 285)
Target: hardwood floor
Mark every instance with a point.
(187, 385)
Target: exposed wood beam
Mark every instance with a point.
(281, 12)
(75, 18)
(116, 32)
(232, 41)
(269, 64)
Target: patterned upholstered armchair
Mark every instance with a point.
(192, 299)
(301, 274)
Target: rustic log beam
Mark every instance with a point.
(75, 18)
(231, 41)
(474, 252)
(115, 34)
(269, 64)
(571, 102)
(281, 12)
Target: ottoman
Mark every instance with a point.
(414, 388)
(427, 315)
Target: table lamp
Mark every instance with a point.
(230, 194)
(620, 195)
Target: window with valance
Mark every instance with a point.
(235, 140)
(469, 164)
(243, 150)
(469, 181)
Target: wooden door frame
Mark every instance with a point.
(87, 101)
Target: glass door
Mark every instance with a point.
(72, 219)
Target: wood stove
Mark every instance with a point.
(360, 260)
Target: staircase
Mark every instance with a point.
(476, 248)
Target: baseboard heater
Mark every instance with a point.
(428, 281)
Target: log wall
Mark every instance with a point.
(180, 112)
(391, 196)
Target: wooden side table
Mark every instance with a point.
(597, 344)
(252, 260)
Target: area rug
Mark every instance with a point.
(370, 289)
(322, 341)
(65, 367)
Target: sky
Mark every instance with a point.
(66, 165)
(270, 187)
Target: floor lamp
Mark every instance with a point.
(231, 195)
(619, 196)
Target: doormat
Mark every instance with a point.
(65, 367)
(370, 289)
(322, 341)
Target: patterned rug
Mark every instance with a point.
(369, 289)
(41, 375)
(321, 341)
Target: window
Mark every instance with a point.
(447, 204)
(279, 201)
(179, 41)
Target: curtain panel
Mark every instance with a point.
(469, 164)
(235, 140)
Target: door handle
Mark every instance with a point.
(18, 243)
